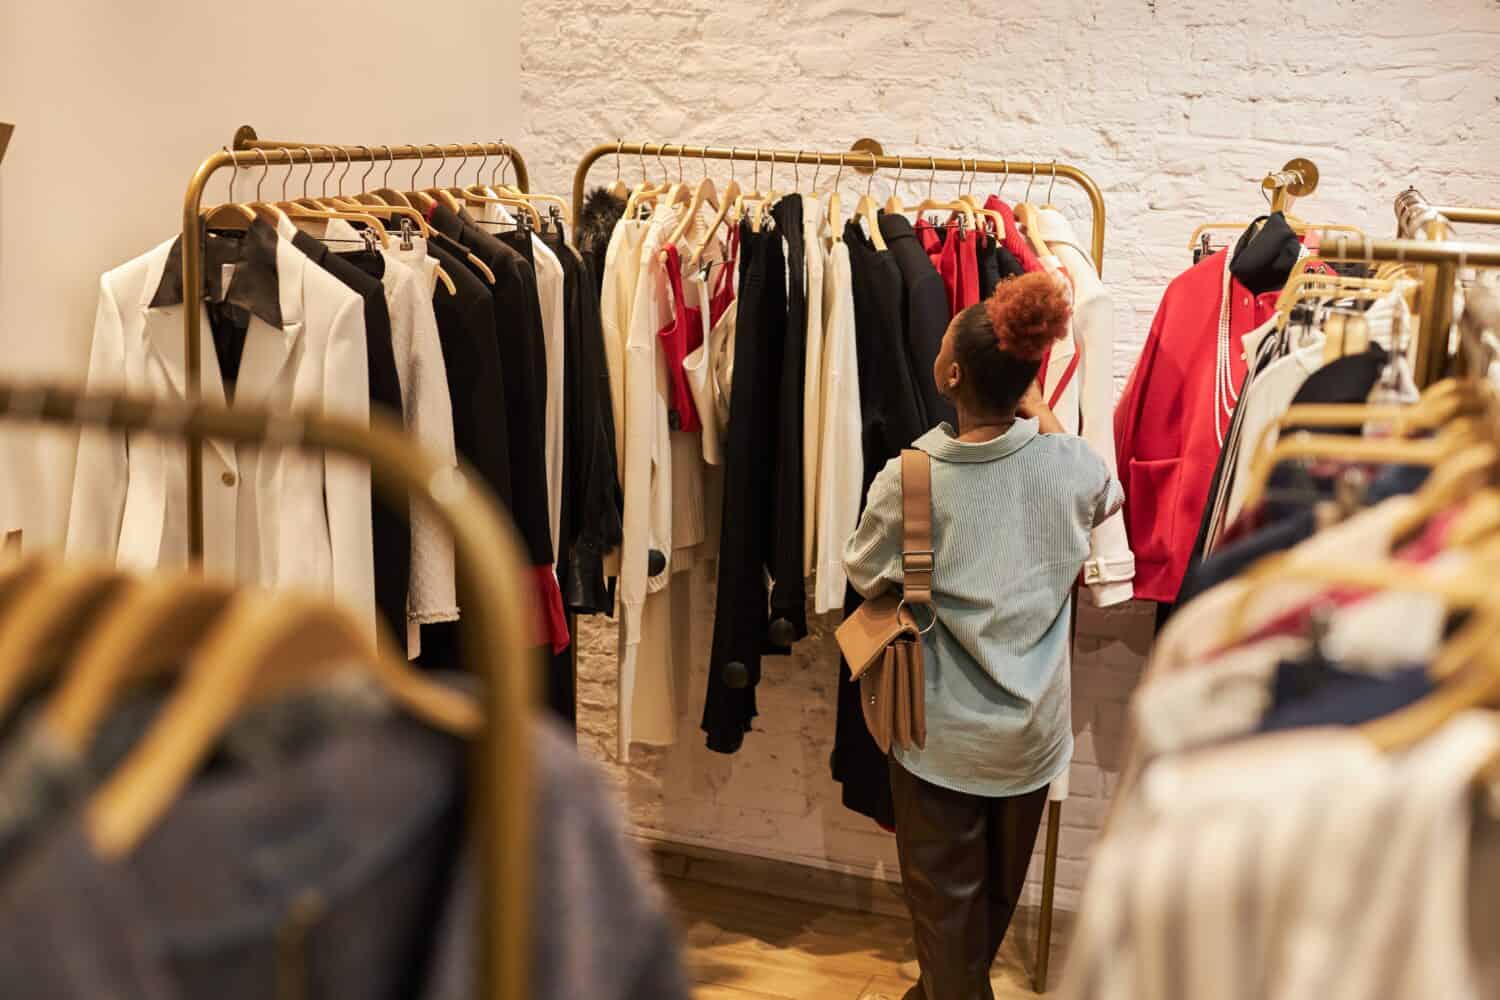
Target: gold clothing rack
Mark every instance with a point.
(866, 157)
(277, 152)
(1417, 219)
(490, 572)
(1443, 260)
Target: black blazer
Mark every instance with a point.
(390, 526)
(591, 507)
(741, 615)
(924, 314)
(518, 328)
(789, 591)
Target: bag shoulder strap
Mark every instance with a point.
(916, 517)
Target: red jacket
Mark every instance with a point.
(1166, 441)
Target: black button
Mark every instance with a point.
(674, 420)
(782, 632)
(736, 675)
(656, 562)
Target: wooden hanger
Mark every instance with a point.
(47, 611)
(1277, 571)
(768, 201)
(1298, 226)
(706, 193)
(378, 208)
(893, 204)
(1477, 686)
(1440, 404)
(725, 203)
(477, 195)
(18, 575)
(835, 207)
(263, 646)
(996, 218)
(619, 189)
(958, 206)
(645, 192)
(419, 223)
(385, 193)
(1343, 448)
(868, 209)
(231, 214)
(151, 627)
(326, 208)
(1026, 215)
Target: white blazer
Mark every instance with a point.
(274, 517)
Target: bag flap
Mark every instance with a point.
(864, 635)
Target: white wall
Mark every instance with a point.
(1176, 109)
(115, 104)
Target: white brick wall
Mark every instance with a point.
(1176, 110)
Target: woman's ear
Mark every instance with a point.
(954, 377)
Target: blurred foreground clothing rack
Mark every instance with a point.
(494, 630)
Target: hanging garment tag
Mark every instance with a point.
(226, 275)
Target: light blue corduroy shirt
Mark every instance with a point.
(1011, 523)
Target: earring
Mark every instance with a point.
(953, 383)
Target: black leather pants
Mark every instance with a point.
(963, 865)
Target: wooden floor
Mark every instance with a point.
(746, 946)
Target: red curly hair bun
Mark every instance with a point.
(1028, 313)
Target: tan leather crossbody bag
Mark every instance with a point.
(882, 641)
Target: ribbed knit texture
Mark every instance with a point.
(1011, 523)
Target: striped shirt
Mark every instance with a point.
(1011, 524)
(1302, 864)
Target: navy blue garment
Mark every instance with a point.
(1236, 557)
(1315, 693)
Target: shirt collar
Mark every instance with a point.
(253, 281)
(942, 443)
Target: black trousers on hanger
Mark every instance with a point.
(963, 865)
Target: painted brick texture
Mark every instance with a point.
(1176, 110)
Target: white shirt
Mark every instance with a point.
(551, 292)
(622, 265)
(646, 462)
(841, 447)
(1086, 405)
(815, 254)
(427, 412)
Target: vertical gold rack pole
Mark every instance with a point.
(1443, 260)
(504, 780)
(856, 159)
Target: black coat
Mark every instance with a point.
(741, 617)
(518, 328)
(891, 418)
(789, 590)
(924, 313)
(390, 526)
(591, 501)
